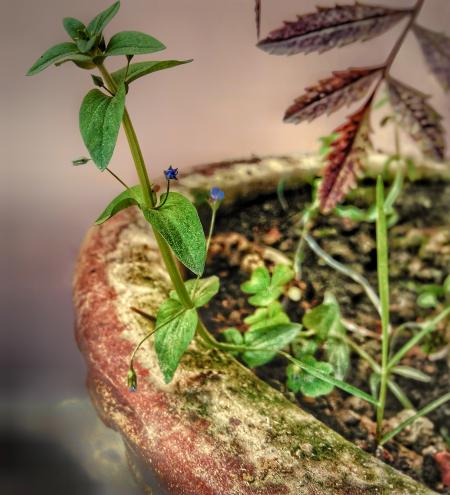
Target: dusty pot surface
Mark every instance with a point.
(216, 429)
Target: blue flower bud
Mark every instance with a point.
(216, 194)
(171, 173)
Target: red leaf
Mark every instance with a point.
(344, 161)
(330, 27)
(418, 118)
(328, 95)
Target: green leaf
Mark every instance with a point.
(173, 340)
(59, 53)
(233, 336)
(446, 285)
(412, 373)
(265, 297)
(140, 69)
(129, 197)
(338, 355)
(307, 384)
(133, 43)
(273, 338)
(427, 300)
(100, 118)
(312, 370)
(99, 22)
(178, 222)
(201, 290)
(324, 319)
(282, 274)
(304, 347)
(353, 212)
(74, 28)
(259, 280)
(374, 383)
(270, 321)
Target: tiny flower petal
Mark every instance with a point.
(216, 194)
(171, 173)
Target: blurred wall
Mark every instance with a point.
(228, 103)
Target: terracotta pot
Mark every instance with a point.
(216, 429)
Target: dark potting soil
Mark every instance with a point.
(419, 245)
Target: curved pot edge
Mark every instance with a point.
(96, 303)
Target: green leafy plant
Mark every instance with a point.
(430, 295)
(270, 331)
(173, 218)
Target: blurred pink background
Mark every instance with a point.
(227, 104)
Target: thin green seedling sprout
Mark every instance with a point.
(280, 193)
(383, 289)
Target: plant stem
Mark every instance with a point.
(117, 178)
(427, 327)
(383, 288)
(399, 42)
(146, 186)
(424, 411)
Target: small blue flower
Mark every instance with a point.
(216, 194)
(171, 173)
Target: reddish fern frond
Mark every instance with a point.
(258, 17)
(418, 118)
(330, 27)
(329, 95)
(436, 49)
(345, 159)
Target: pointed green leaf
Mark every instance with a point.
(412, 373)
(259, 280)
(172, 341)
(74, 28)
(201, 290)
(100, 118)
(282, 274)
(58, 53)
(78, 32)
(140, 69)
(273, 338)
(178, 222)
(338, 355)
(129, 197)
(98, 24)
(133, 43)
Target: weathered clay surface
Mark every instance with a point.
(216, 429)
